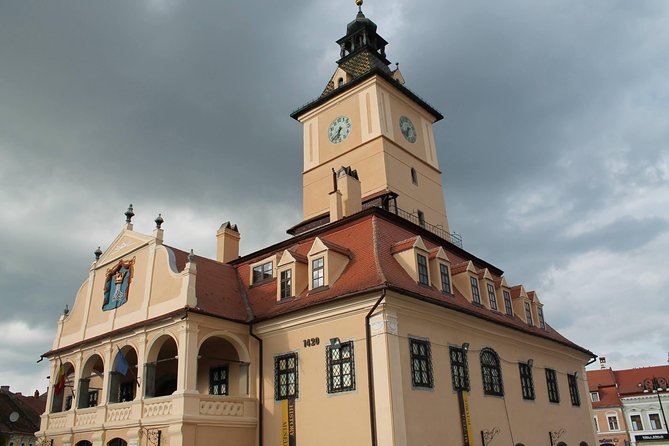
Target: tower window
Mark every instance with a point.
(421, 218)
(414, 176)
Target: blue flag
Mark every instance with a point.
(121, 364)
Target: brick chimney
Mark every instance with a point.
(602, 362)
(346, 198)
(227, 239)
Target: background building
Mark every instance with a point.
(370, 325)
(630, 405)
(19, 417)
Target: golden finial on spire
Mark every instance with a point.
(359, 3)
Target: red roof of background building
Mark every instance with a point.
(629, 380)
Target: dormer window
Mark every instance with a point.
(262, 272)
(445, 279)
(340, 82)
(476, 295)
(423, 277)
(507, 303)
(286, 284)
(540, 313)
(491, 297)
(317, 273)
(528, 313)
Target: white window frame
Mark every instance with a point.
(650, 423)
(596, 423)
(640, 422)
(594, 397)
(608, 421)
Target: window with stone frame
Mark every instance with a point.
(573, 390)
(318, 272)
(459, 369)
(507, 303)
(218, 380)
(526, 381)
(285, 377)
(613, 422)
(423, 277)
(476, 295)
(491, 372)
(445, 278)
(492, 298)
(340, 367)
(655, 422)
(421, 363)
(286, 283)
(552, 385)
(635, 421)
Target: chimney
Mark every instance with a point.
(602, 362)
(36, 394)
(227, 239)
(346, 198)
(5, 388)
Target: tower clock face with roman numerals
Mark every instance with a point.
(408, 129)
(339, 129)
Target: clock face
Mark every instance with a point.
(339, 129)
(408, 130)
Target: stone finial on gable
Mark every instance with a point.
(128, 217)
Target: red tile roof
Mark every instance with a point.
(603, 382)
(28, 409)
(628, 380)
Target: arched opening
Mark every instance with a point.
(562, 443)
(340, 82)
(117, 442)
(90, 383)
(63, 388)
(84, 443)
(220, 370)
(583, 443)
(161, 369)
(520, 444)
(123, 376)
(491, 373)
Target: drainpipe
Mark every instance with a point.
(261, 393)
(370, 369)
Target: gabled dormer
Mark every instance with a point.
(522, 305)
(292, 274)
(412, 255)
(537, 309)
(326, 263)
(466, 279)
(504, 293)
(489, 296)
(440, 270)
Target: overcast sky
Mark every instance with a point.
(554, 150)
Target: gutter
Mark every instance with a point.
(370, 370)
(261, 393)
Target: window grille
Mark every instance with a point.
(218, 381)
(552, 384)
(421, 363)
(573, 390)
(340, 367)
(285, 377)
(526, 381)
(459, 372)
(491, 372)
(423, 277)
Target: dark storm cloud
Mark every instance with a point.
(553, 149)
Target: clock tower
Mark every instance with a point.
(366, 119)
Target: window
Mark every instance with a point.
(655, 423)
(285, 377)
(637, 425)
(445, 280)
(526, 382)
(218, 380)
(573, 390)
(414, 176)
(421, 363)
(92, 398)
(286, 284)
(317, 272)
(594, 396)
(341, 367)
(340, 82)
(68, 402)
(422, 270)
(476, 296)
(459, 371)
(528, 313)
(421, 219)
(491, 297)
(613, 422)
(596, 424)
(262, 272)
(491, 372)
(127, 391)
(552, 384)
(540, 312)
(507, 303)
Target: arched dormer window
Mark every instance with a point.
(491, 373)
(340, 82)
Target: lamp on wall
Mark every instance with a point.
(530, 362)
(465, 347)
(335, 342)
(576, 374)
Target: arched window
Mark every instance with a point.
(583, 443)
(117, 442)
(340, 82)
(492, 373)
(84, 443)
(562, 443)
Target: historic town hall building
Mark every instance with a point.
(369, 325)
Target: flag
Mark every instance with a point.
(60, 380)
(121, 364)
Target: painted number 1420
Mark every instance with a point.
(311, 342)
